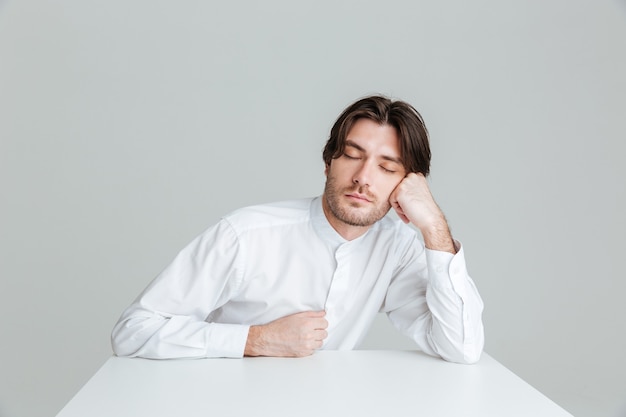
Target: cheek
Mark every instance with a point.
(341, 172)
(390, 185)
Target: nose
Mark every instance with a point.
(362, 175)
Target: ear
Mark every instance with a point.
(326, 168)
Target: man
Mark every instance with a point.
(289, 278)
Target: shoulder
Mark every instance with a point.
(262, 216)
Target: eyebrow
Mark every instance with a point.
(385, 157)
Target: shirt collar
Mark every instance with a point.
(325, 231)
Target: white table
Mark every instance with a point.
(329, 383)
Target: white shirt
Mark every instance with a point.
(265, 262)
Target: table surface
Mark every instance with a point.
(329, 383)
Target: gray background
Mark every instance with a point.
(128, 127)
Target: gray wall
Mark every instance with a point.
(128, 127)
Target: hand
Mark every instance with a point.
(414, 203)
(296, 335)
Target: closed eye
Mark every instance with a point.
(350, 156)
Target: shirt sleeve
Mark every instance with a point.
(167, 320)
(433, 300)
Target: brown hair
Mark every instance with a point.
(409, 125)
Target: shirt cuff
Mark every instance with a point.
(448, 270)
(227, 340)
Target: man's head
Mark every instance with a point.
(408, 123)
(373, 144)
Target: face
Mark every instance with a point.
(360, 181)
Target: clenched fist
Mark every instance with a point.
(296, 335)
(414, 203)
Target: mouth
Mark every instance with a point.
(358, 197)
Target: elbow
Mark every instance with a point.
(134, 330)
(472, 351)
(471, 357)
(122, 349)
(466, 352)
(129, 336)
(464, 358)
(121, 340)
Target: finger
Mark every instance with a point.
(313, 344)
(401, 214)
(398, 192)
(393, 200)
(393, 197)
(320, 334)
(395, 204)
(320, 323)
(416, 175)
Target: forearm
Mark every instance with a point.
(157, 337)
(456, 329)
(435, 302)
(168, 319)
(437, 236)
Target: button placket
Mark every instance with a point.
(335, 305)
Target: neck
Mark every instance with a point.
(345, 230)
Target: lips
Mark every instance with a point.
(360, 197)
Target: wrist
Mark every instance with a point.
(253, 342)
(437, 236)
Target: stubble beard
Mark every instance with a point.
(354, 216)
